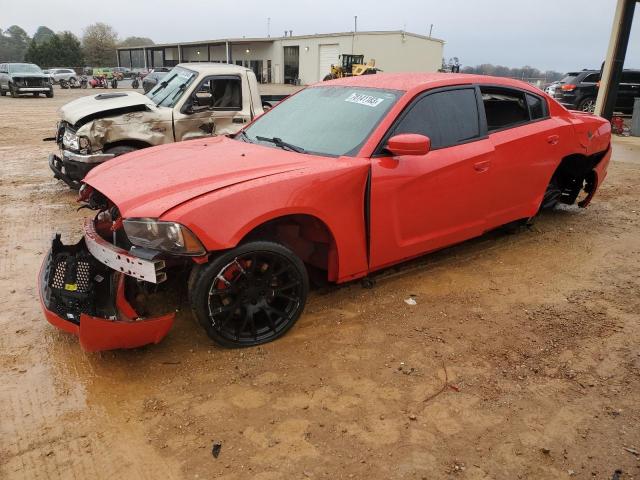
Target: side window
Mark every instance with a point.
(592, 78)
(504, 107)
(447, 118)
(537, 107)
(630, 77)
(220, 93)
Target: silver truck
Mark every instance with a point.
(192, 101)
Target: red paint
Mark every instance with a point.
(96, 334)
(221, 188)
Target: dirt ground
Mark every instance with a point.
(519, 360)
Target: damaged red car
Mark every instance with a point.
(340, 180)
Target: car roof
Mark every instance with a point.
(411, 81)
(211, 67)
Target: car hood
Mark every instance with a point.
(149, 182)
(97, 106)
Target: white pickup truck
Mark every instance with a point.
(193, 100)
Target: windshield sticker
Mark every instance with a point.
(368, 100)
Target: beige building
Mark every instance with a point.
(301, 59)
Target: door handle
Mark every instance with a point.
(239, 120)
(482, 166)
(553, 139)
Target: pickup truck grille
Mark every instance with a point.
(30, 81)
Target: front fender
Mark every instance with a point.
(335, 196)
(139, 127)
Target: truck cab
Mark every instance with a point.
(193, 100)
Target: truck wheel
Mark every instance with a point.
(328, 77)
(250, 295)
(120, 150)
(2, 92)
(13, 91)
(49, 94)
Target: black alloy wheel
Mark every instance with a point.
(250, 295)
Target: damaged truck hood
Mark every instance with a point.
(149, 182)
(90, 107)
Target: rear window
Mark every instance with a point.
(570, 77)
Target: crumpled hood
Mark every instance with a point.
(149, 182)
(103, 104)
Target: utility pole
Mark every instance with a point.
(268, 27)
(355, 24)
(430, 30)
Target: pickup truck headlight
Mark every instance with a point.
(168, 237)
(75, 142)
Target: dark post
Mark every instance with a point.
(617, 59)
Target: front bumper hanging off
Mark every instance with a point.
(83, 292)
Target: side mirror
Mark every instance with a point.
(409, 144)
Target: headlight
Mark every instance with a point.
(71, 140)
(169, 237)
(74, 142)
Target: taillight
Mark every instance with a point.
(569, 87)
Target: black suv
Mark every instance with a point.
(20, 78)
(578, 90)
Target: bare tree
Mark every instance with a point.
(99, 42)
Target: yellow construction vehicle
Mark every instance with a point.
(352, 65)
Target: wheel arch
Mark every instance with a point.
(130, 142)
(306, 234)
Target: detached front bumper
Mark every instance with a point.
(83, 291)
(73, 167)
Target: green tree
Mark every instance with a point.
(60, 50)
(99, 43)
(136, 42)
(43, 34)
(14, 42)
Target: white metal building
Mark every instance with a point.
(305, 59)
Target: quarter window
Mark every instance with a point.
(447, 118)
(536, 107)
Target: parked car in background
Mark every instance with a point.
(579, 90)
(551, 88)
(107, 72)
(342, 179)
(151, 79)
(24, 78)
(58, 74)
(193, 100)
(124, 71)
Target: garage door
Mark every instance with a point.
(328, 55)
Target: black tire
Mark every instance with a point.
(13, 91)
(328, 77)
(120, 149)
(36, 94)
(266, 106)
(587, 105)
(250, 295)
(49, 94)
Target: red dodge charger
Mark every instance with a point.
(340, 180)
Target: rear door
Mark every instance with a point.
(219, 105)
(422, 203)
(527, 147)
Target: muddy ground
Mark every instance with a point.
(519, 360)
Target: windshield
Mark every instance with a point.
(330, 121)
(172, 87)
(24, 68)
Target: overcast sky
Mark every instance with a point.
(548, 34)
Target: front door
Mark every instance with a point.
(217, 107)
(423, 203)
